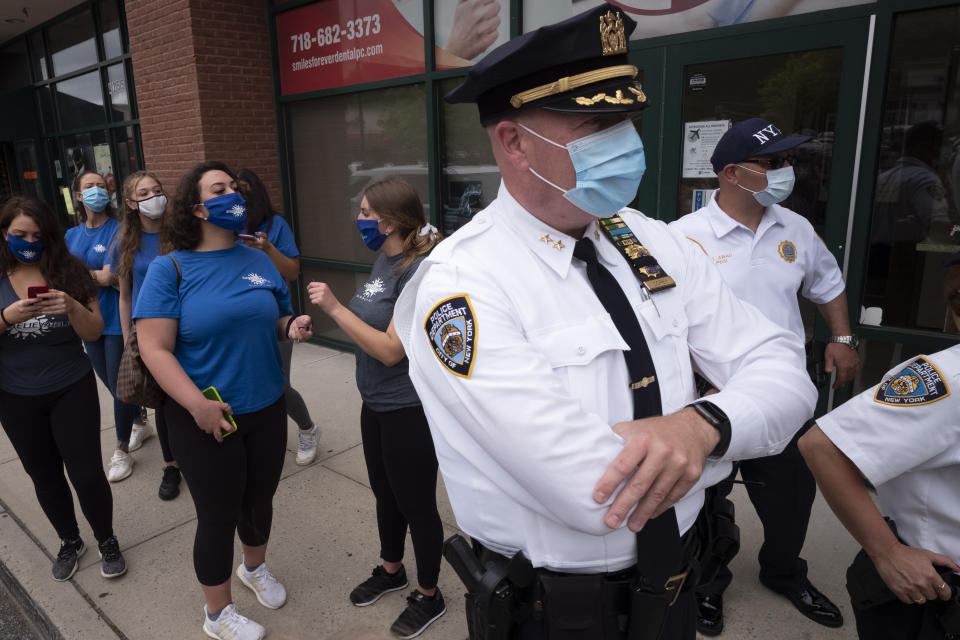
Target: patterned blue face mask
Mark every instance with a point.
(609, 166)
(96, 198)
(24, 250)
(228, 211)
(370, 232)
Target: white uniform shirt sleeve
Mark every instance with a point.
(885, 441)
(822, 280)
(759, 367)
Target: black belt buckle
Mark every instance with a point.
(675, 584)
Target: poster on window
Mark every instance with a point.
(664, 17)
(699, 141)
(104, 164)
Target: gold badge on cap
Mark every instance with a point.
(612, 37)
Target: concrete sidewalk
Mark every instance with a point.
(324, 542)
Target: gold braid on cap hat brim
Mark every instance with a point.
(569, 83)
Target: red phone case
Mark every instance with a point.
(33, 292)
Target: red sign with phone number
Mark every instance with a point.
(334, 44)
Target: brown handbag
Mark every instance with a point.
(135, 384)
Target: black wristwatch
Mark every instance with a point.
(715, 416)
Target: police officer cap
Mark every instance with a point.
(575, 66)
(751, 138)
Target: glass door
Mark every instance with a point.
(806, 80)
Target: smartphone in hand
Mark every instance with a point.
(211, 394)
(246, 236)
(33, 292)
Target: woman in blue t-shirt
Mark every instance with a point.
(397, 447)
(210, 315)
(269, 232)
(137, 244)
(49, 405)
(90, 241)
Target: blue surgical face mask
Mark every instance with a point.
(24, 250)
(779, 185)
(609, 166)
(370, 232)
(96, 198)
(228, 211)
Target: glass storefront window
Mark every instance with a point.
(915, 223)
(340, 145)
(117, 88)
(45, 97)
(80, 101)
(15, 65)
(110, 23)
(125, 153)
(38, 57)
(72, 44)
(87, 152)
(344, 284)
(470, 175)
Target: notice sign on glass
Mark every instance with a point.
(342, 42)
(699, 140)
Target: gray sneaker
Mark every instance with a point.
(68, 559)
(112, 564)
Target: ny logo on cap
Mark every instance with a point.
(612, 38)
(762, 136)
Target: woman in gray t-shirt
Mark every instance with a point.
(401, 461)
(49, 405)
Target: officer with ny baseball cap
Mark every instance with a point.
(766, 253)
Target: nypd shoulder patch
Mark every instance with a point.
(452, 330)
(920, 382)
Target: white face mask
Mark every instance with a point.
(779, 185)
(153, 207)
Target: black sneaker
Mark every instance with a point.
(68, 559)
(376, 585)
(170, 485)
(112, 564)
(421, 611)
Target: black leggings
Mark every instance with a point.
(163, 435)
(232, 482)
(57, 429)
(402, 467)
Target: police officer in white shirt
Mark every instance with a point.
(903, 435)
(767, 254)
(553, 341)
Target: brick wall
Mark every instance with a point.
(204, 86)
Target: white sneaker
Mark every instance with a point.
(139, 433)
(270, 592)
(307, 447)
(230, 625)
(121, 466)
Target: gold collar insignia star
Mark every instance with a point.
(546, 239)
(558, 245)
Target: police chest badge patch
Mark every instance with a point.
(452, 331)
(920, 382)
(787, 251)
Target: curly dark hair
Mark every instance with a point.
(259, 208)
(60, 268)
(81, 216)
(181, 230)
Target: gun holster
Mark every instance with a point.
(816, 361)
(490, 594)
(719, 534)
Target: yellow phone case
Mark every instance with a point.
(211, 394)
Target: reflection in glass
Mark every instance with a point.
(38, 56)
(110, 23)
(470, 175)
(72, 45)
(45, 97)
(117, 88)
(797, 92)
(124, 152)
(341, 144)
(915, 206)
(86, 152)
(80, 101)
(344, 284)
(465, 32)
(28, 169)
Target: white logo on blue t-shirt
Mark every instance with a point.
(256, 279)
(99, 248)
(372, 288)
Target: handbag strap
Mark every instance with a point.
(179, 273)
